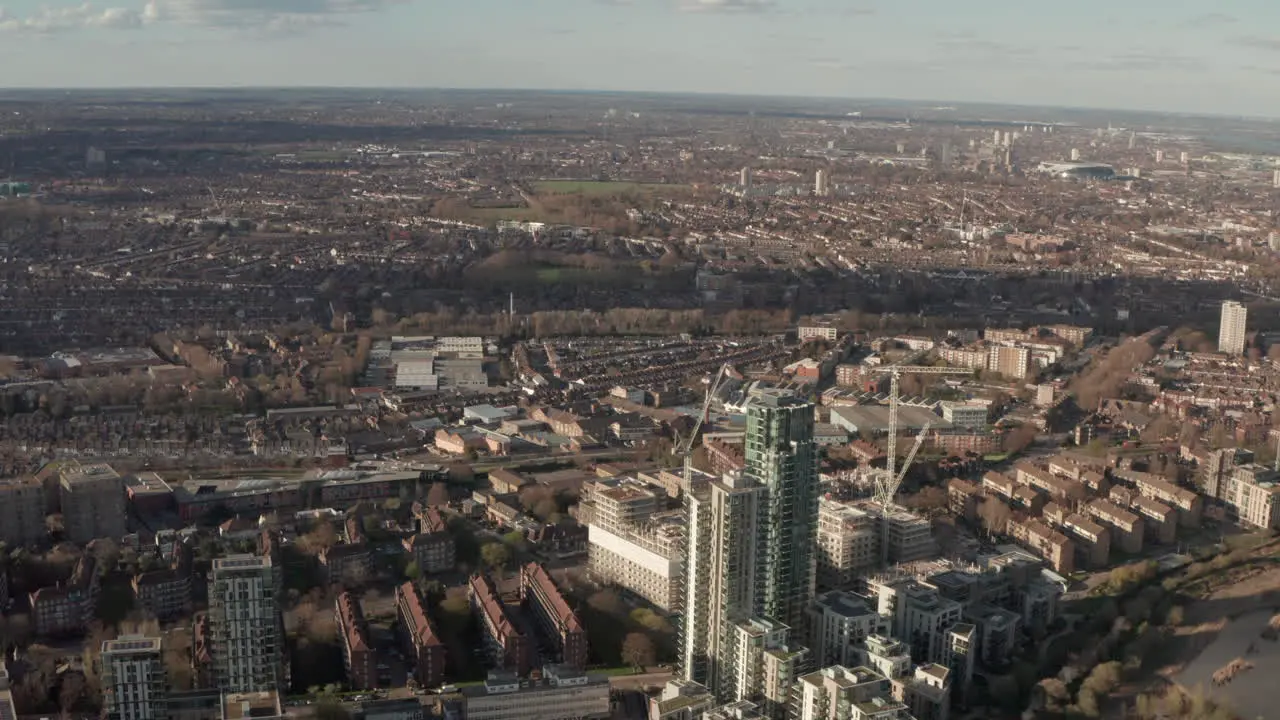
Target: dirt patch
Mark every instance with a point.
(1247, 592)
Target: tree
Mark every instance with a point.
(323, 537)
(1056, 693)
(545, 509)
(495, 555)
(1104, 678)
(650, 620)
(73, 691)
(995, 516)
(607, 602)
(1087, 703)
(438, 495)
(931, 498)
(638, 650)
(456, 605)
(411, 571)
(1019, 439)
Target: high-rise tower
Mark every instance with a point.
(720, 572)
(781, 456)
(134, 686)
(246, 624)
(1231, 331)
(750, 557)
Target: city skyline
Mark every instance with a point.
(1091, 54)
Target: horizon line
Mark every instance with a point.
(674, 93)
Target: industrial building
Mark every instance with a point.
(559, 693)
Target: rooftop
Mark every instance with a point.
(242, 706)
(130, 644)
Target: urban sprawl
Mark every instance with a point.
(533, 406)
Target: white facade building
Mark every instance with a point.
(1231, 331)
(134, 686)
(246, 624)
(561, 693)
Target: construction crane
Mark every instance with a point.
(893, 480)
(684, 446)
(887, 484)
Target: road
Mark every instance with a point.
(639, 682)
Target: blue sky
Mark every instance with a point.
(1180, 55)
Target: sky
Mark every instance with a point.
(1195, 56)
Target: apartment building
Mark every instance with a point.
(22, 506)
(1231, 328)
(971, 358)
(908, 537)
(358, 656)
(349, 564)
(559, 694)
(762, 666)
(1092, 541)
(1046, 542)
(508, 647)
(1159, 520)
(1217, 468)
(848, 375)
(247, 642)
(848, 544)
(918, 614)
(1125, 527)
(1065, 467)
(1011, 362)
(1056, 488)
(832, 692)
(67, 608)
(816, 332)
(997, 633)
(1252, 496)
(433, 549)
(631, 543)
(887, 656)
(1074, 334)
(1189, 505)
(961, 655)
(92, 498)
(927, 693)
(7, 709)
(681, 700)
(419, 637)
(964, 498)
(557, 621)
(134, 682)
(838, 623)
(998, 484)
(972, 416)
(166, 593)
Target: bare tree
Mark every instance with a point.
(438, 494)
(995, 516)
(638, 650)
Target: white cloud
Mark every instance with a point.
(278, 14)
(75, 17)
(726, 6)
(270, 15)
